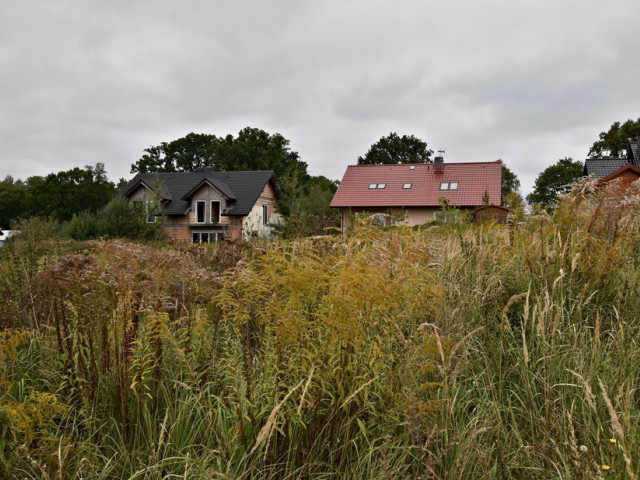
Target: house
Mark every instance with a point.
(627, 170)
(411, 193)
(206, 206)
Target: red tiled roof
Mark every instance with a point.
(474, 179)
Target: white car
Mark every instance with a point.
(5, 234)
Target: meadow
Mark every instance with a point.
(445, 352)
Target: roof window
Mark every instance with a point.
(412, 167)
(377, 185)
(449, 186)
(407, 186)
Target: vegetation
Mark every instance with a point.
(304, 198)
(396, 149)
(510, 182)
(614, 143)
(554, 180)
(57, 196)
(455, 351)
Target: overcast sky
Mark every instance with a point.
(528, 82)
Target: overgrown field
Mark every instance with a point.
(439, 353)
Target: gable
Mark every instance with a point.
(240, 188)
(629, 173)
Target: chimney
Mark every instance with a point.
(438, 164)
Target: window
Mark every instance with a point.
(206, 237)
(449, 186)
(377, 185)
(373, 185)
(200, 208)
(442, 217)
(265, 214)
(407, 186)
(215, 211)
(412, 167)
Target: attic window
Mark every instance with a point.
(412, 167)
(377, 185)
(449, 186)
(407, 186)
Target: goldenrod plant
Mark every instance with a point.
(445, 352)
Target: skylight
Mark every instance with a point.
(377, 185)
(406, 186)
(449, 186)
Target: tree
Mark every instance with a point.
(61, 195)
(614, 143)
(195, 150)
(14, 201)
(554, 180)
(510, 182)
(395, 149)
(252, 149)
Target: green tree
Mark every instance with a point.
(63, 194)
(252, 149)
(195, 150)
(14, 201)
(554, 180)
(395, 149)
(510, 182)
(614, 143)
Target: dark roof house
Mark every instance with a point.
(604, 167)
(204, 206)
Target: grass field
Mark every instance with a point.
(448, 352)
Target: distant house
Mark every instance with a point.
(627, 170)
(206, 206)
(411, 193)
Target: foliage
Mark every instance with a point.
(510, 182)
(554, 180)
(252, 149)
(453, 351)
(308, 211)
(58, 195)
(395, 149)
(305, 199)
(14, 201)
(119, 219)
(614, 143)
(515, 203)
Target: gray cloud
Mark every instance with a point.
(87, 82)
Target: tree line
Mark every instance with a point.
(305, 198)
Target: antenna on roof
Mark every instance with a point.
(441, 153)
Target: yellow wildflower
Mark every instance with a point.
(612, 440)
(606, 467)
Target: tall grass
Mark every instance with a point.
(452, 352)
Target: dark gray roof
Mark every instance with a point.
(634, 155)
(242, 189)
(601, 167)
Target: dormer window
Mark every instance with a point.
(200, 209)
(407, 186)
(378, 186)
(449, 186)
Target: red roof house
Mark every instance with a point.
(412, 191)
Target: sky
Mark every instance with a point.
(528, 82)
